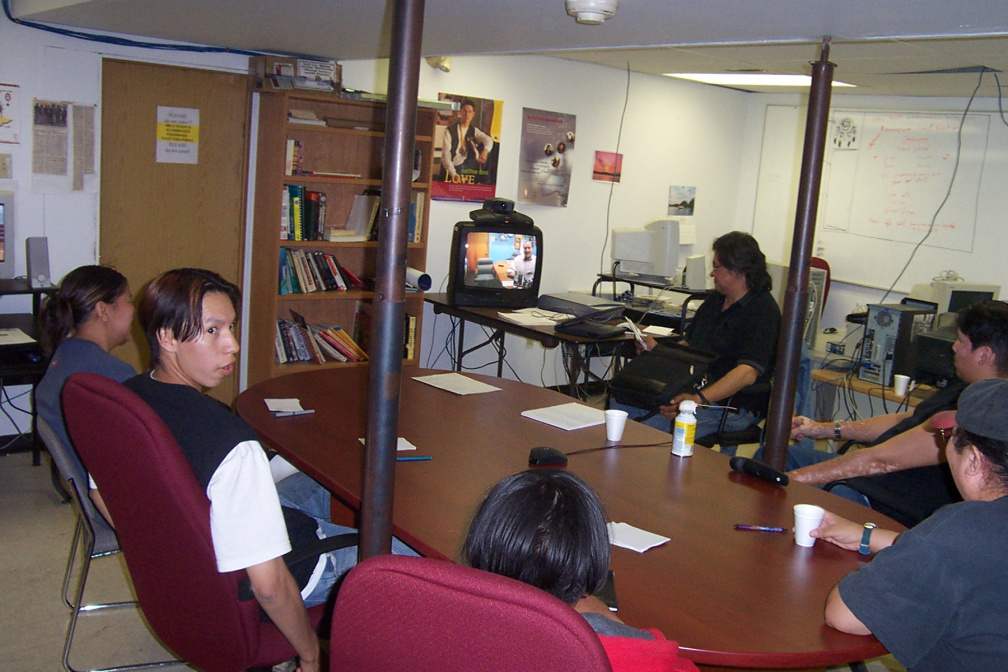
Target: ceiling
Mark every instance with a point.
(884, 47)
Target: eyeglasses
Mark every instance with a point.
(715, 265)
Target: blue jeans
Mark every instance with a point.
(299, 491)
(799, 456)
(708, 421)
(341, 561)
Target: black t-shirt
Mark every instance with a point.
(911, 495)
(745, 333)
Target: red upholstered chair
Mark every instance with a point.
(819, 262)
(401, 613)
(162, 518)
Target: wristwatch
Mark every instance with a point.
(836, 431)
(865, 538)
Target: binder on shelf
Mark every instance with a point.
(281, 354)
(311, 208)
(285, 214)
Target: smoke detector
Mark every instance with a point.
(591, 12)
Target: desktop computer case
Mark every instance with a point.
(888, 341)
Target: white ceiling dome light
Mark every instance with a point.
(591, 12)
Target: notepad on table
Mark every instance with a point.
(567, 416)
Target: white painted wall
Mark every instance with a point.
(673, 133)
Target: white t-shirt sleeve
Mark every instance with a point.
(246, 523)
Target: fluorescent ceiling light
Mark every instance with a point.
(747, 79)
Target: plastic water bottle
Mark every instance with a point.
(685, 429)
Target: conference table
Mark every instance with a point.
(732, 599)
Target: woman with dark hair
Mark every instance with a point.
(547, 528)
(739, 323)
(934, 595)
(80, 325)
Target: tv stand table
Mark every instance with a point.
(546, 336)
(23, 364)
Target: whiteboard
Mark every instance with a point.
(886, 175)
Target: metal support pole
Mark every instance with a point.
(389, 305)
(796, 297)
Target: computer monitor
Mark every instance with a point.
(951, 296)
(650, 254)
(6, 234)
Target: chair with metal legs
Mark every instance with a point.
(96, 535)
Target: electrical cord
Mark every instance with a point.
(612, 185)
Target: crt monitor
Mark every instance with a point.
(495, 265)
(650, 254)
(951, 296)
(6, 234)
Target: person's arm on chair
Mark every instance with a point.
(278, 595)
(99, 503)
(741, 376)
(915, 447)
(862, 431)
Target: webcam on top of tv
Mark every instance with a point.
(500, 211)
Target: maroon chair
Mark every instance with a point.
(398, 613)
(162, 518)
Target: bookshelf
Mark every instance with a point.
(340, 148)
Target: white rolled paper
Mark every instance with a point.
(418, 279)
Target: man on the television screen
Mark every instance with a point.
(522, 268)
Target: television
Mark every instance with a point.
(6, 234)
(496, 259)
(650, 254)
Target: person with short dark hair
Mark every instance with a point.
(739, 323)
(90, 314)
(547, 528)
(934, 595)
(188, 316)
(465, 147)
(903, 459)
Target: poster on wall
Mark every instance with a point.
(546, 157)
(466, 147)
(681, 201)
(9, 113)
(608, 167)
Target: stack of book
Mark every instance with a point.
(300, 341)
(306, 271)
(302, 213)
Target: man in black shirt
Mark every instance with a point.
(903, 463)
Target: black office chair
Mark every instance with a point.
(98, 537)
(751, 434)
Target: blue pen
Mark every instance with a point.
(413, 458)
(758, 528)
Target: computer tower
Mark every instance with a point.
(888, 341)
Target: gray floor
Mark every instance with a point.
(36, 530)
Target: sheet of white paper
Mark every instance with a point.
(283, 405)
(533, 317)
(457, 383)
(634, 538)
(636, 332)
(567, 416)
(655, 330)
(401, 444)
(281, 468)
(14, 336)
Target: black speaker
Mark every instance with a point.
(37, 255)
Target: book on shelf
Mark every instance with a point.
(336, 344)
(288, 283)
(296, 227)
(292, 159)
(305, 277)
(297, 338)
(285, 214)
(363, 212)
(311, 206)
(341, 335)
(325, 346)
(304, 117)
(309, 338)
(409, 337)
(290, 352)
(415, 232)
(320, 224)
(278, 345)
(336, 271)
(352, 279)
(362, 325)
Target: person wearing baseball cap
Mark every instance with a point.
(935, 594)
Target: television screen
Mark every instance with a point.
(495, 265)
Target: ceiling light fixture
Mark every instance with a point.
(591, 12)
(748, 79)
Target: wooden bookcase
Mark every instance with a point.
(352, 144)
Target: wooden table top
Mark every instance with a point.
(731, 598)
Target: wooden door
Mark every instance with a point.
(156, 216)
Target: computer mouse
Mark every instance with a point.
(544, 456)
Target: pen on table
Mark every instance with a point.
(413, 458)
(288, 414)
(758, 528)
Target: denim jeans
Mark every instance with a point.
(299, 491)
(708, 421)
(341, 561)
